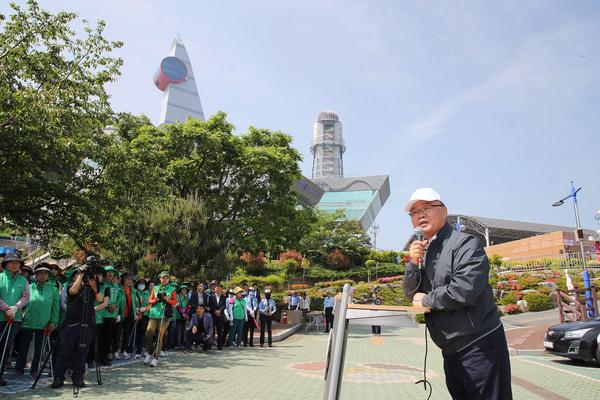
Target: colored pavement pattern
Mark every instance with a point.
(383, 367)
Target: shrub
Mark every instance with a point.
(253, 263)
(291, 255)
(528, 281)
(508, 298)
(538, 301)
(511, 309)
(338, 260)
(335, 284)
(390, 279)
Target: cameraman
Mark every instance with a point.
(76, 335)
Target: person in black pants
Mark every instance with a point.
(76, 336)
(452, 280)
(217, 305)
(266, 309)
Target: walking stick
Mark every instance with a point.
(41, 369)
(8, 329)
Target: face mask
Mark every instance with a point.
(141, 286)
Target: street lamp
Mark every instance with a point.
(579, 238)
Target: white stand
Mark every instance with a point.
(358, 314)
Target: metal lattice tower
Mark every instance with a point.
(328, 146)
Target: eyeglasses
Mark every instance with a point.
(425, 209)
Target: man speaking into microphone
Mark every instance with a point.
(448, 272)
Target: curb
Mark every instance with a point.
(281, 336)
(526, 352)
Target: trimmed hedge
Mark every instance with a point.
(538, 302)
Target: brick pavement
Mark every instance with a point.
(383, 367)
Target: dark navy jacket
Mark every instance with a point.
(455, 278)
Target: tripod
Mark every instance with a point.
(47, 345)
(81, 345)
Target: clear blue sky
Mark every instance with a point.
(494, 104)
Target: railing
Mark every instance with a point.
(572, 305)
(539, 263)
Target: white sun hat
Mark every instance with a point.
(422, 194)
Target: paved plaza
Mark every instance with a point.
(384, 367)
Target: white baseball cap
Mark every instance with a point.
(422, 194)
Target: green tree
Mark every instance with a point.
(331, 232)
(176, 233)
(53, 111)
(245, 181)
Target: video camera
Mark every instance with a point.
(93, 267)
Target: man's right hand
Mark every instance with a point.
(417, 251)
(194, 330)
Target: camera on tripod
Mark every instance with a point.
(92, 268)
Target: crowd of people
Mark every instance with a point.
(92, 316)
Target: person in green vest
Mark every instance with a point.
(40, 318)
(14, 296)
(109, 315)
(117, 338)
(131, 305)
(182, 316)
(161, 301)
(143, 293)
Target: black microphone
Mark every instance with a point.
(419, 233)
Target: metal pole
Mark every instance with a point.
(585, 274)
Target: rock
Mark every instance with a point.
(523, 306)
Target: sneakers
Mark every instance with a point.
(239, 348)
(116, 356)
(164, 353)
(154, 362)
(125, 355)
(148, 359)
(138, 356)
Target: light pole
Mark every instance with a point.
(579, 238)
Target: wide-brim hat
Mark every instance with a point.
(267, 291)
(138, 280)
(183, 287)
(164, 273)
(110, 268)
(12, 257)
(213, 282)
(422, 194)
(237, 290)
(42, 267)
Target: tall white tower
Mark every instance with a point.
(175, 77)
(328, 146)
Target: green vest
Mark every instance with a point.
(42, 307)
(113, 299)
(183, 302)
(158, 309)
(11, 290)
(144, 296)
(121, 301)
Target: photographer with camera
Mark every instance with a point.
(161, 301)
(76, 336)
